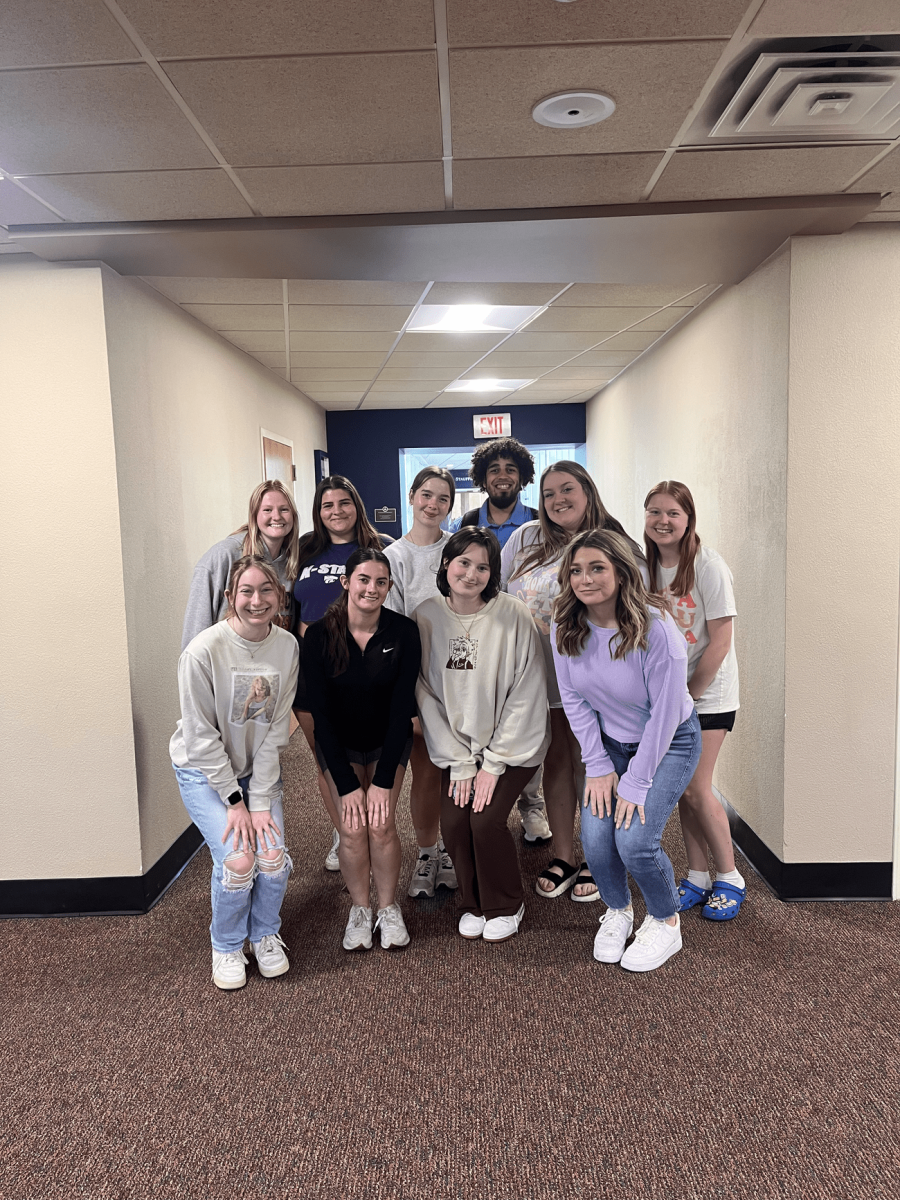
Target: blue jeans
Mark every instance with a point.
(613, 853)
(243, 906)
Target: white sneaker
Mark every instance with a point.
(394, 935)
(332, 862)
(471, 926)
(358, 934)
(228, 970)
(535, 829)
(653, 943)
(498, 929)
(615, 929)
(446, 872)
(270, 956)
(424, 876)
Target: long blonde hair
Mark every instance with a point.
(633, 601)
(553, 538)
(253, 539)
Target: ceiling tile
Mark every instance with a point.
(344, 361)
(327, 398)
(461, 400)
(505, 85)
(505, 365)
(623, 295)
(361, 188)
(352, 377)
(93, 119)
(627, 341)
(607, 358)
(387, 384)
(720, 174)
(532, 22)
(551, 182)
(43, 32)
(601, 320)
(143, 195)
(339, 405)
(478, 343)
(524, 397)
(561, 344)
(269, 359)
(664, 319)
(350, 291)
(493, 293)
(234, 27)
(430, 373)
(348, 384)
(799, 18)
(18, 208)
(445, 361)
(884, 176)
(347, 317)
(340, 342)
(357, 109)
(404, 400)
(573, 374)
(218, 291)
(255, 340)
(238, 316)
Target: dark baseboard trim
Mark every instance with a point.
(810, 881)
(121, 895)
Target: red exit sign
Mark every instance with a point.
(491, 425)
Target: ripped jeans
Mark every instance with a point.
(247, 905)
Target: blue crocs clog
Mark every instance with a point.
(689, 895)
(725, 902)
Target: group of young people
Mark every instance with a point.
(523, 642)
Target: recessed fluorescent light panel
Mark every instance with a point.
(471, 318)
(487, 385)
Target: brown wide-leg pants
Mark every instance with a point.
(482, 848)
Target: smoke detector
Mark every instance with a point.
(573, 110)
(833, 94)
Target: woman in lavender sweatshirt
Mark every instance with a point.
(621, 663)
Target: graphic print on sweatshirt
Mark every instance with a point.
(330, 572)
(684, 610)
(254, 696)
(463, 654)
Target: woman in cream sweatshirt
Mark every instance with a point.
(482, 699)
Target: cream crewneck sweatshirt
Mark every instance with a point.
(489, 708)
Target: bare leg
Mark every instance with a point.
(425, 793)
(354, 848)
(306, 724)
(384, 845)
(559, 789)
(703, 819)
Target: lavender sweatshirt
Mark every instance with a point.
(640, 698)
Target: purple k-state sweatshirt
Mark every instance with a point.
(640, 698)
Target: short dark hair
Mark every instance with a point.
(501, 448)
(459, 544)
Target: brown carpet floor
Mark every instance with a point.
(760, 1062)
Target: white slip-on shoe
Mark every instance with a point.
(498, 929)
(653, 943)
(358, 934)
(471, 926)
(615, 929)
(228, 969)
(270, 956)
(394, 934)
(446, 872)
(332, 862)
(424, 875)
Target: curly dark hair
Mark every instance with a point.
(501, 448)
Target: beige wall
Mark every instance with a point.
(709, 407)
(779, 405)
(69, 795)
(187, 410)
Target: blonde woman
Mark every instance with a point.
(621, 663)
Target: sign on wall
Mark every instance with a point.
(385, 516)
(492, 425)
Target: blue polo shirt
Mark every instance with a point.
(518, 515)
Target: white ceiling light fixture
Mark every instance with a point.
(487, 385)
(471, 318)
(573, 110)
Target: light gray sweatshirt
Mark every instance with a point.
(236, 709)
(413, 571)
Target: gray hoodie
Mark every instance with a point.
(206, 600)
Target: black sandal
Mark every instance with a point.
(561, 883)
(585, 877)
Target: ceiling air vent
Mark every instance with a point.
(830, 94)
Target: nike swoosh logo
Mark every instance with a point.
(387, 649)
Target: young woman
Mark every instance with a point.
(228, 767)
(361, 663)
(621, 663)
(270, 533)
(340, 526)
(700, 589)
(569, 503)
(482, 701)
(415, 560)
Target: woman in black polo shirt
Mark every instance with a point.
(361, 663)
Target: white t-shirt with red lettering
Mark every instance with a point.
(712, 596)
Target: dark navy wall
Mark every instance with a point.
(365, 446)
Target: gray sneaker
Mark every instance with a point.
(446, 872)
(424, 876)
(332, 862)
(390, 922)
(535, 829)
(358, 934)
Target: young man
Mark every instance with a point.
(502, 468)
